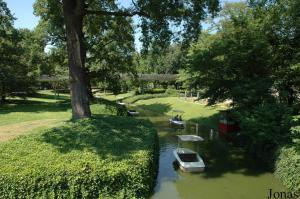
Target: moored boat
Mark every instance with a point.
(189, 160)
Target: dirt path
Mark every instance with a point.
(11, 131)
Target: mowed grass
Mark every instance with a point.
(43, 106)
(195, 112)
(44, 110)
(112, 97)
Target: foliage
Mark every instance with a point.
(264, 130)
(252, 57)
(157, 17)
(161, 61)
(151, 91)
(81, 160)
(172, 92)
(233, 63)
(287, 167)
(111, 107)
(15, 74)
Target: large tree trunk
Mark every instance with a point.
(73, 16)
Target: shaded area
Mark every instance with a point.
(101, 157)
(35, 105)
(156, 108)
(103, 135)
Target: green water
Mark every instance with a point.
(229, 173)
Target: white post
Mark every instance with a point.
(211, 134)
(197, 129)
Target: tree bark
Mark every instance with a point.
(74, 12)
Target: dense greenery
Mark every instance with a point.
(288, 163)
(106, 157)
(16, 75)
(252, 58)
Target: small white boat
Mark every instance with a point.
(176, 122)
(132, 112)
(121, 103)
(189, 160)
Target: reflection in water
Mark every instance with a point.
(229, 174)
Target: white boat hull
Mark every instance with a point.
(196, 165)
(133, 113)
(179, 123)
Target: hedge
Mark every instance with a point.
(102, 157)
(287, 167)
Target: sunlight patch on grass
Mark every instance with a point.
(11, 131)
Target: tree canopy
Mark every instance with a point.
(74, 22)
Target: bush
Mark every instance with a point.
(172, 92)
(157, 91)
(264, 129)
(103, 157)
(287, 167)
(111, 107)
(150, 91)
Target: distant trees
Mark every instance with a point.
(21, 55)
(161, 61)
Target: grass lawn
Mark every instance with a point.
(44, 110)
(205, 115)
(41, 107)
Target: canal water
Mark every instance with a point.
(229, 173)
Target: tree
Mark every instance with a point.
(14, 73)
(156, 18)
(161, 61)
(235, 62)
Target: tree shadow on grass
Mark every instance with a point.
(34, 106)
(51, 96)
(107, 136)
(156, 108)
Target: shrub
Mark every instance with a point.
(103, 157)
(111, 107)
(172, 92)
(150, 91)
(264, 129)
(287, 167)
(157, 91)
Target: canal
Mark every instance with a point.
(229, 174)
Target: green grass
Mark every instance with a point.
(103, 157)
(42, 106)
(42, 111)
(205, 115)
(112, 97)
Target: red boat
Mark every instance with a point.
(227, 124)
